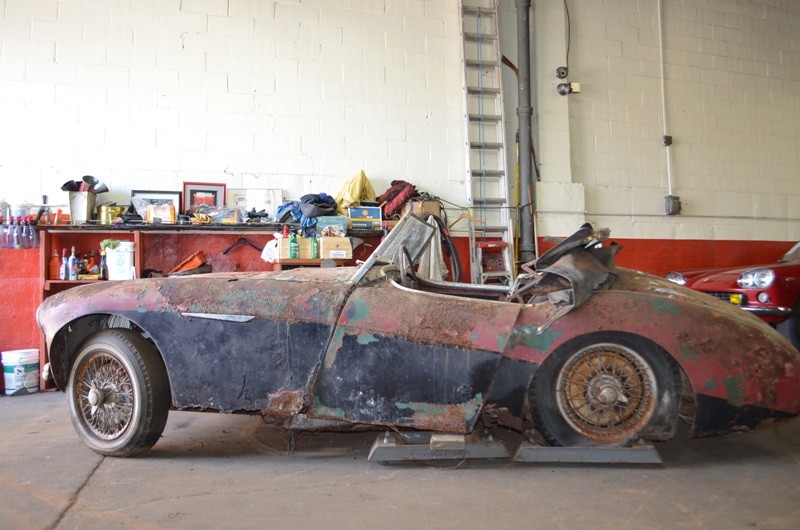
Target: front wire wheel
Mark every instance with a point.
(605, 390)
(105, 396)
(118, 393)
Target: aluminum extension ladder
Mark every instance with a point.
(492, 217)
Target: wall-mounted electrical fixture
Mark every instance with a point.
(672, 205)
(565, 89)
(562, 72)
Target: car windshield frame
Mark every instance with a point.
(410, 235)
(793, 256)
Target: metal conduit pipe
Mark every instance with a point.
(524, 112)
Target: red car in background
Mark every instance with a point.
(771, 292)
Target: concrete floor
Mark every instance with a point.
(222, 471)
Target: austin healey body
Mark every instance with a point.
(582, 352)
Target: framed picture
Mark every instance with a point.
(156, 198)
(203, 194)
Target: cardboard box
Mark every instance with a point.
(335, 248)
(421, 208)
(305, 248)
(366, 217)
(337, 224)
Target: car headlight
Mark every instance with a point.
(676, 277)
(756, 279)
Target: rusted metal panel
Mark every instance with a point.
(427, 318)
(381, 379)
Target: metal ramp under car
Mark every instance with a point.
(417, 446)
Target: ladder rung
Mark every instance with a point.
(482, 90)
(491, 229)
(479, 36)
(488, 173)
(485, 117)
(485, 145)
(472, 63)
(490, 201)
(476, 10)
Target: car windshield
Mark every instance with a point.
(407, 240)
(792, 256)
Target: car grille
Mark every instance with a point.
(725, 296)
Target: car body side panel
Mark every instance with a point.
(263, 362)
(412, 359)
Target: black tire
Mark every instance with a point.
(606, 389)
(118, 393)
(790, 328)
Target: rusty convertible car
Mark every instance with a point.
(577, 352)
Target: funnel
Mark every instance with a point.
(95, 185)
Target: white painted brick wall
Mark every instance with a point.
(293, 94)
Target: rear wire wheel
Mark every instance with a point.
(606, 389)
(118, 393)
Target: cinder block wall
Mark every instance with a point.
(292, 94)
(732, 84)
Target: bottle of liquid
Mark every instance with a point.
(73, 265)
(18, 233)
(24, 233)
(33, 234)
(55, 266)
(294, 247)
(9, 242)
(314, 247)
(63, 273)
(103, 265)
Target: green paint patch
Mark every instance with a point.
(469, 408)
(735, 390)
(527, 337)
(358, 310)
(318, 409)
(664, 305)
(366, 338)
(140, 309)
(687, 352)
(710, 384)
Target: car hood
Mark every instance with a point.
(287, 295)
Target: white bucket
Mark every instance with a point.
(81, 206)
(120, 262)
(21, 371)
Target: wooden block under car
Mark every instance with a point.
(335, 248)
(305, 248)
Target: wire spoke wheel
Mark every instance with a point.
(105, 396)
(118, 393)
(605, 391)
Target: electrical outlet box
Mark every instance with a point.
(672, 205)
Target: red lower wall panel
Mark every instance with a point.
(19, 283)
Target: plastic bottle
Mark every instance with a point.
(33, 235)
(55, 266)
(17, 241)
(9, 242)
(294, 247)
(73, 265)
(63, 273)
(103, 265)
(24, 233)
(314, 247)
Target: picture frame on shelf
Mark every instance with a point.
(156, 198)
(209, 194)
(264, 200)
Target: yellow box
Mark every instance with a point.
(335, 248)
(305, 248)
